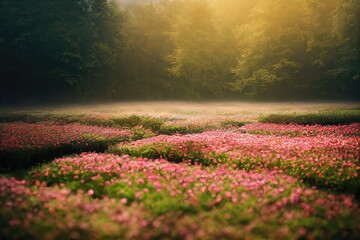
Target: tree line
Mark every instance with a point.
(184, 49)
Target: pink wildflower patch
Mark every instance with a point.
(215, 196)
(321, 157)
(36, 135)
(301, 130)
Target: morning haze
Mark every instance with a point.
(57, 51)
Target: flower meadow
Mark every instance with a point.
(301, 130)
(326, 159)
(257, 181)
(37, 135)
(104, 194)
(26, 143)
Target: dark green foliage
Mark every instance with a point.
(13, 117)
(176, 129)
(55, 48)
(34, 118)
(232, 123)
(134, 120)
(147, 151)
(322, 118)
(251, 49)
(173, 129)
(310, 50)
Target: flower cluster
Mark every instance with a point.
(301, 130)
(104, 195)
(25, 135)
(41, 212)
(330, 160)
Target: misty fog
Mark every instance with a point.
(69, 51)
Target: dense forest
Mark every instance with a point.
(182, 49)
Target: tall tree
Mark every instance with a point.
(53, 48)
(273, 49)
(335, 46)
(198, 60)
(147, 45)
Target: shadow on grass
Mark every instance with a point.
(18, 159)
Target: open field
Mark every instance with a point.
(189, 112)
(181, 170)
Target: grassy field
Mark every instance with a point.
(187, 111)
(181, 170)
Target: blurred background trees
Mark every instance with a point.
(52, 49)
(187, 49)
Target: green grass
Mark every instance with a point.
(177, 129)
(166, 151)
(34, 118)
(322, 118)
(232, 123)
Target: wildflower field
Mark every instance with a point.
(176, 174)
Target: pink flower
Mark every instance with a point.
(138, 195)
(90, 192)
(140, 181)
(14, 222)
(302, 231)
(228, 194)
